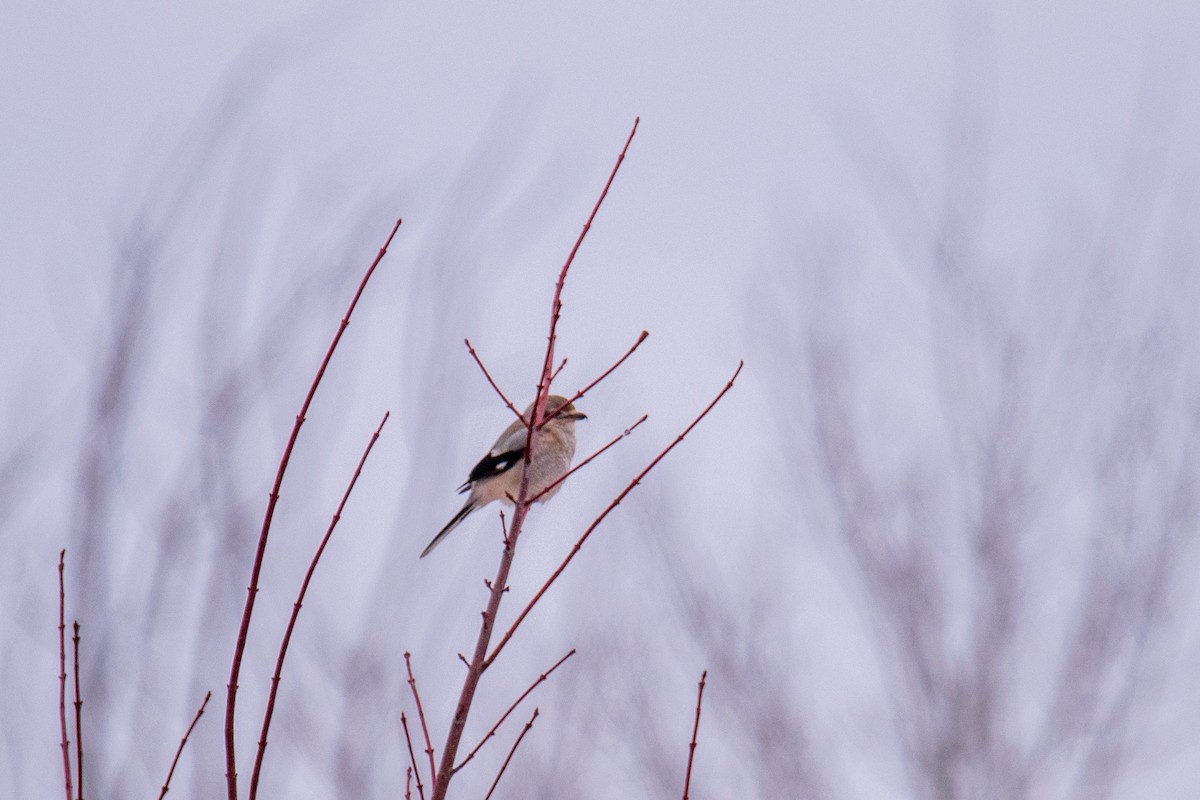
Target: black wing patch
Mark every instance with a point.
(492, 464)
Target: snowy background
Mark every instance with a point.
(939, 542)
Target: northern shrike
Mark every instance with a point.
(498, 475)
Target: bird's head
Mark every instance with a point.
(558, 407)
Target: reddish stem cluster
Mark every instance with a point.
(482, 659)
(62, 674)
(256, 570)
(522, 502)
(269, 713)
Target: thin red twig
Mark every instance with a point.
(595, 523)
(475, 668)
(603, 375)
(561, 366)
(556, 306)
(511, 752)
(412, 756)
(62, 673)
(182, 743)
(272, 500)
(488, 375)
(287, 636)
(589, 459)
(408, 783)
(78, 719)
(412, 682)
(540, 679)
(687, 781)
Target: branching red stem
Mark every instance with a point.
(412, 682)
(561, 366)
(511, 752)
(596, 522)
(287, 636)
(556, 305)
(589, 459)
(182, 743)
(499, 585)
(272, 500)
(603, 375)
(488, 375)
(412, 757)
(62, 673)
(687, 781)
(540, 679)
(475, 666)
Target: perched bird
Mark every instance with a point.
(498, 475)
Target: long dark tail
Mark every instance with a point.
(451, 525)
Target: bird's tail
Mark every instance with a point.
(451, 525)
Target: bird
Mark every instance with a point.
(498, 474)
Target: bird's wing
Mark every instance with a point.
(493, 464)
(505, 454)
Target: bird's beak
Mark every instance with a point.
(579, 415)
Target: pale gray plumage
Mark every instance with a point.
(498, 475)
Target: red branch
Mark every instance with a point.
(540, 679)
(488, 375)
(408, 783)
(604, 375)
(62, 673)
(78, 718)
(589, 459)
(561, 366)
(412, 757)
(273, 499)
(182, 743)
(556, 306)
(287, 636)
(499, 585)
(687, 781)
(596, 523)
(412, 682)
(475, 666)
(511, 752)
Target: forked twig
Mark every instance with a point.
(239, 649)
(561, 366)
(540, 679)
(488, 375)
(287, 636)
(62, 673)
(603, 375)
(595, 523)
(687, 781)
(182, 743)
(475, 669)
(412, 682)
(511, 752)
(556, 305)
(589, 459)
(78, 719)
(412, 757)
